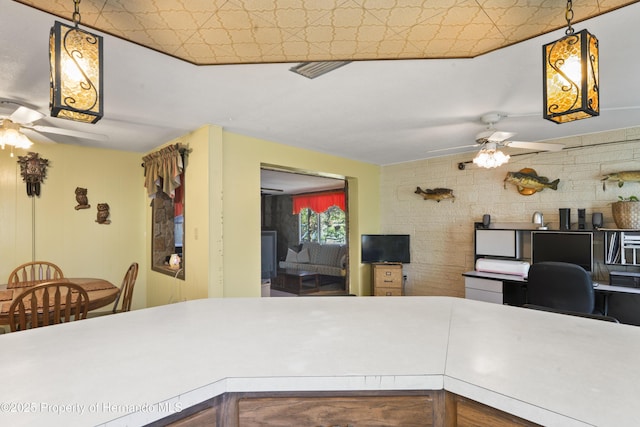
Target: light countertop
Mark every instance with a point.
(136, 367)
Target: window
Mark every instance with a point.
(165, 183)
(167, 234)
(325, 227)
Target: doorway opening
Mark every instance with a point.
(305, 224)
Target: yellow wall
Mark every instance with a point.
(222, 214)
(71, 238)
(163, 289)
(242, 158)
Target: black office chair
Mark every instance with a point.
(563, 288)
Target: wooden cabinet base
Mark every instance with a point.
(462, 412)
(424, 408)
(383, 411)
(387, 280)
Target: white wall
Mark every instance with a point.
(442, 233)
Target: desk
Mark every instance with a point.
(512, 296)
(101, 292)
(608, 290)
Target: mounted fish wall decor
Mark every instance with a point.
(436, 194)
(528, 182)
(621, 177)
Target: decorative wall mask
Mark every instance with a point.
(103, 214)
(33, 170)
(528, 182)
(436, 194)
(81, 198)
(622, 177)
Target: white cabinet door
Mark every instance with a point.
(483, 290)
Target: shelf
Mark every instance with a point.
(622, 248)
(527, 226)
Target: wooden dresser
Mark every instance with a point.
(387, 280)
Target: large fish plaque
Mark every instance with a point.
(528, 182)
(622, 177)
(436, 194)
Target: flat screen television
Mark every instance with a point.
(385, 248)
(574, 247)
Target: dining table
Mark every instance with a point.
(101, 292)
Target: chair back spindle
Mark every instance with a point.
(126, 290)
(49, 303)
(34, 272)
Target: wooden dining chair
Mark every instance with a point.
(126, 293)
(47, 304)
(126, 289)
(34, 271)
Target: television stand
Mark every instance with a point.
(387, 279)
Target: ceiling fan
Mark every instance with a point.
(492, 138)
(502, 138)
(22, 120)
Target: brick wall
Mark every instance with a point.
(442, 233)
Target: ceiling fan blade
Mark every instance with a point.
(540, 146)
(68, 132)
(498, 136)
(437, 150)
(36, 136)
(25, 115)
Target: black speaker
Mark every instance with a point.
(486, 220)
(565, 218)
(596, 219)
(581, 224)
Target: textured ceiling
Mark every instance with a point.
(380, 112)
(268, 31)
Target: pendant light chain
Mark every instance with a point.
(568, 16)
(76, 12)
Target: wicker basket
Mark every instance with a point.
(626, 214)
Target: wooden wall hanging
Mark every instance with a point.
(103, 214)
(81, 198)
(33, 170)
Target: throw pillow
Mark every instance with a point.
(343, 261)
(303, 256)
(292, 256)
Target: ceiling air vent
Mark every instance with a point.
(312, 70)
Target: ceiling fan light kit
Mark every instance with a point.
(10, 135)
(490, 157)
(570, 75)
(76, 72)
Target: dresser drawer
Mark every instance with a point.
(388, 283)
(388, 292)
(387, 276)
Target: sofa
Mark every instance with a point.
(327, 259)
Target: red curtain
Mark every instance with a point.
(318, 202)
(178, 198)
